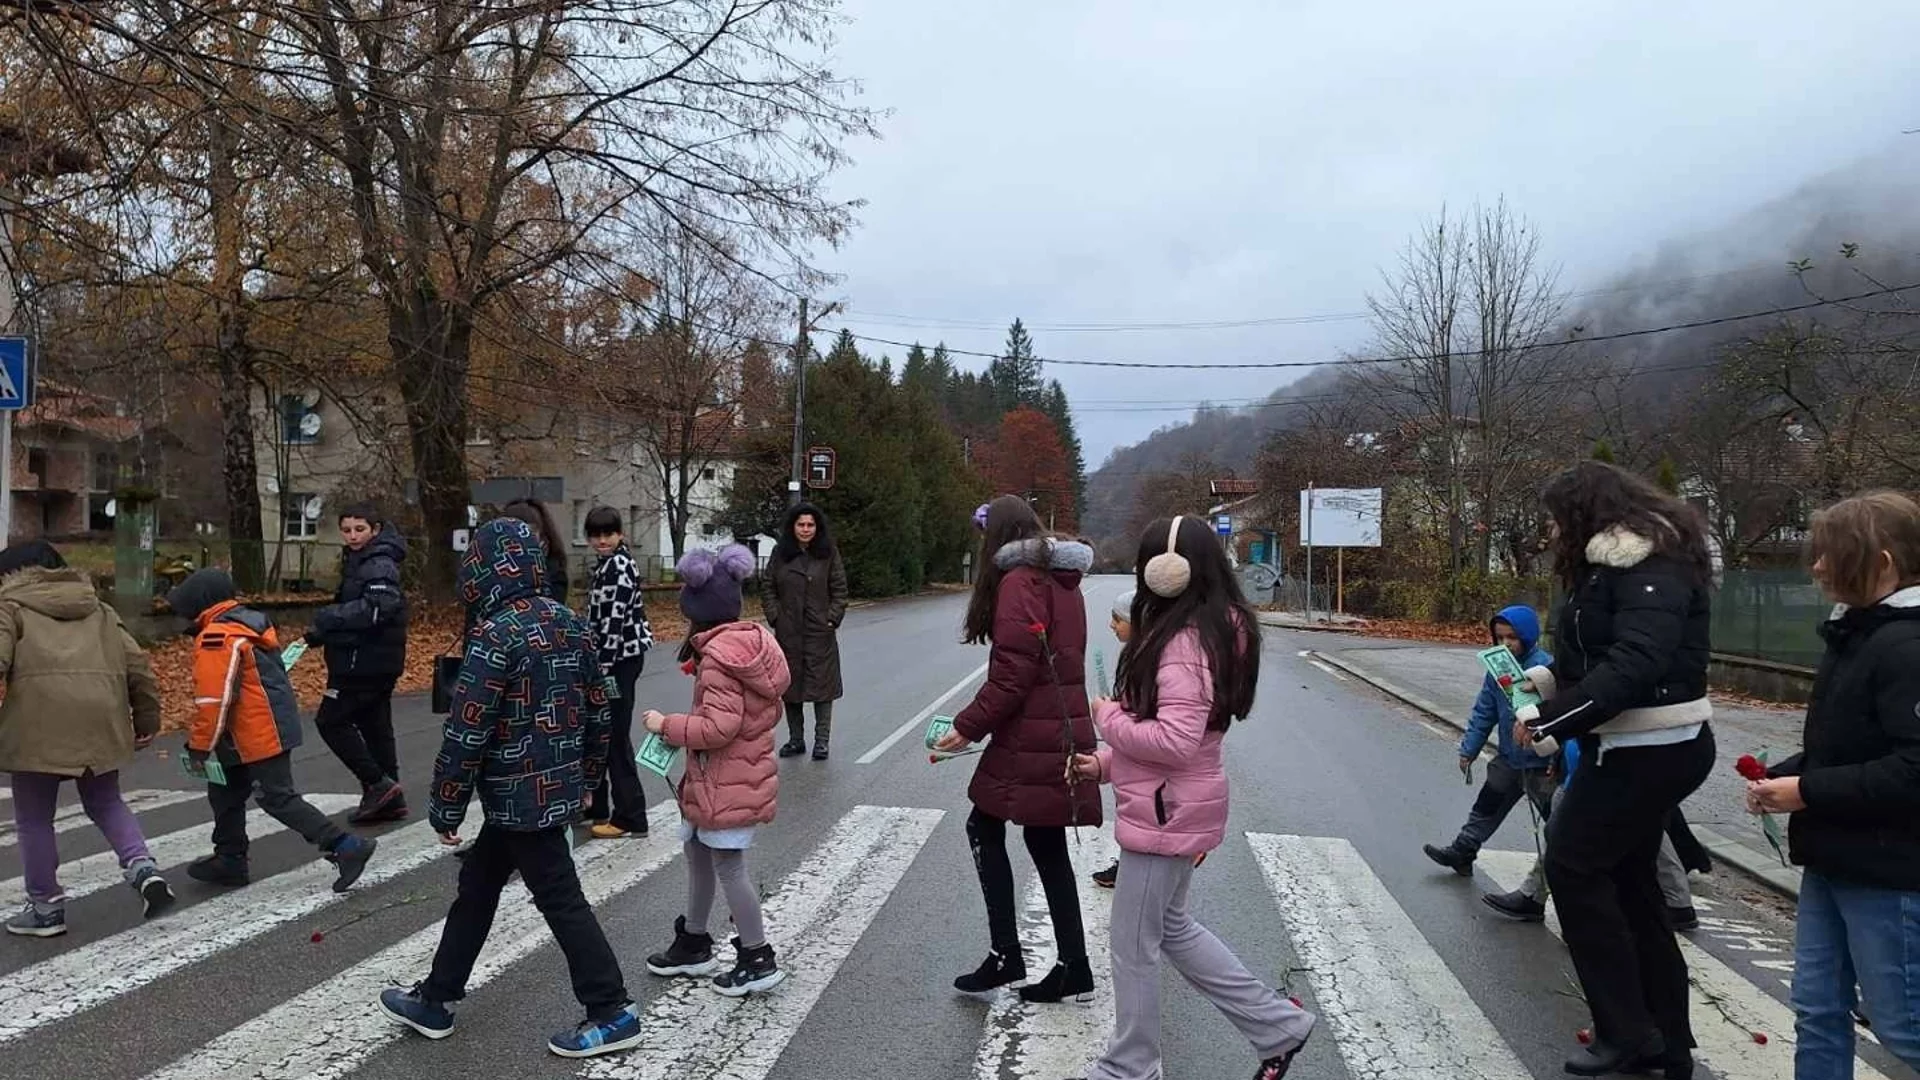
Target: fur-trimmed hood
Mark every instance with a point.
(1619, 548)
(1045, 554)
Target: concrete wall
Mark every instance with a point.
(1763, 679)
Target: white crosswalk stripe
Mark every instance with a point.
(1054, 1040)
(1397, 1011)
(89, 875)
(1727, 1009)
(1390, 1006)
(69, 818)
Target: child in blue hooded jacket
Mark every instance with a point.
(1516, 772)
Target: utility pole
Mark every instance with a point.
(802, 349)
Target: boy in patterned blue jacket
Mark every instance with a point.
(528, 733)
(1516, 772)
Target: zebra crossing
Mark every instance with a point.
(1390, 1005)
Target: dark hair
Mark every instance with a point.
(534, 513)
(1592, 497)
(1212, 604)
(789, 546)
(363, 510)
(603, 521)
(1852, 536)
(31, 553)
(694, 630)
(1009, 521)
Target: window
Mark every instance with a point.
(37, 466)
(299, 422)
(295, 522)
(711, 529)
(707, 474)
(105, 469)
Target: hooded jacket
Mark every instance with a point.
(1169, 781)
(731, 779)
(245, 708)
(78, 687)
(1493, 711)
(1860, 769)
(1632, 643)
(364, 630)
(530, 719)
(1034, 716)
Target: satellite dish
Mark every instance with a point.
(311, 508)
(310, 424)
(113, 507)
(310, 398)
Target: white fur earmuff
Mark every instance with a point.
(1168, 572)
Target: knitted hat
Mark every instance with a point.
(201, 590)
(1123, 607)
(710, 584)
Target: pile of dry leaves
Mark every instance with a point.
(431, 632)
(1420, 630)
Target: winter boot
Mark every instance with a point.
(228, 870)
(1106, 878)
(822, 727)
(690, 954)
(1068, 979)
(796, 735)
(349, 856)
(753, 970)
(996, 971)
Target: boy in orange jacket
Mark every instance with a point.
(248, 719)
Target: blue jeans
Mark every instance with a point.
(1850, 934)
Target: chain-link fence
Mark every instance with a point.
(1769, 615)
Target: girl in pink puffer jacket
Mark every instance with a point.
(729, 788)
(1188, 672)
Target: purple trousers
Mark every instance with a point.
(34, 798)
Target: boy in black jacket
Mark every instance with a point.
(364, 632)
(617, 612)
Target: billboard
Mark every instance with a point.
(1340, 517)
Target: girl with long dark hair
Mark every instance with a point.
(1186, 675)
(806, 598)
(1027, 605)
(1629, 681)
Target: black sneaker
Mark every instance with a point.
(228, 870)
(1071, 979)
(383, 801)
(1682, 919)
(690, 954)
(993, 973)
(1452, 858)
(794, 748)
(753, 970)
(1106, 878)
(156, 895)
(1517, 906)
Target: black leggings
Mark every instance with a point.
(1047, 844)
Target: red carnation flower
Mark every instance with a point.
(1506, 681)
(1038, 628)
(1750, 767)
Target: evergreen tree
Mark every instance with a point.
(1016, 374)
(1603, 452)
(917, 373)
(1668, 476)
(874, 505)
(1054, 404)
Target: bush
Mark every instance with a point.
(1472, 599)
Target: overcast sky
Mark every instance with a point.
(1127, 161)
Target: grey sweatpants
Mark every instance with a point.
(1150, 919)
(1673, 876)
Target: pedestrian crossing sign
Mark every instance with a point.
(16, 373)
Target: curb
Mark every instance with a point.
(1762, 866)
(1308, 628)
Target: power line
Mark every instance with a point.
(1623, 335)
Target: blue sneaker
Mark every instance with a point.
(430, 1018)
(37, 921)
(591, 1038)
(350, 857)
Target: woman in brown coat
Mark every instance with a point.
(1033, 707)
(806, 597)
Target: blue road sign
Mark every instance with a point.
(16, 374)
(1223, 524)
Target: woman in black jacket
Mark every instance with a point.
(1629, 681)
(804, 600)
(534, 513)
(1854, 792)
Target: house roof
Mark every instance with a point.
(1231, 488)
(57, 406)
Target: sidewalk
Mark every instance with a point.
(1441, 681)
(1324, 621)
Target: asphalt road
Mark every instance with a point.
(1320, 887)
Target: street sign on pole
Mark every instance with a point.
(822, 465)
(16, 393)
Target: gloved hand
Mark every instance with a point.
(312, 637)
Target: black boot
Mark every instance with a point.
(822, 727)
(1517, 906)
(1672, 1065)
(1452, 858)
(1068, 979)
(796, 737)
(753, 970)
(1603, 1057)
(993, 973)
(690, 954)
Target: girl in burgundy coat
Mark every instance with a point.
(1027, 603)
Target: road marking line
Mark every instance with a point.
(100, 971)
(333, 1028)
(814, 921)
(1727, 1008)
(920, 721)
(84, 877)
(73, 817)
(1328, 668)
(1049, 1041)
(1396, 1011)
